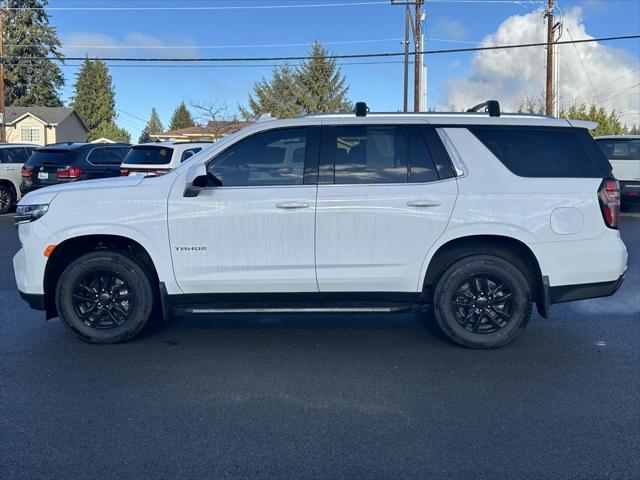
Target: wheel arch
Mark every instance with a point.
(510, 248)
(72, 248)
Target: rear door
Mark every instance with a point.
(11, 161)
(386, 193)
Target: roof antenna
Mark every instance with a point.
(361, 109)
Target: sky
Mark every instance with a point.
(605, 73)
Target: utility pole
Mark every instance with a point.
(417, 60)
(549, 101)
(3, 136)
(407, 24)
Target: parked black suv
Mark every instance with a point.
(70, 162)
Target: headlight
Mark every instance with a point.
(30, 213)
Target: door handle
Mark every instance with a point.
(423, 203)
(9, 169)
(292, 205)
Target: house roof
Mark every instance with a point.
(50, 115)
(212, 129)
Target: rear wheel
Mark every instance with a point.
(104, 297)
(482, 301)
(7, 199)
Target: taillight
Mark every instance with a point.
(26, 171)
(609, 197)
(69, 173)
(124, 172)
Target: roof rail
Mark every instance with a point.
(491, 106)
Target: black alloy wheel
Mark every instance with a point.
(483, 304)
(103, 299)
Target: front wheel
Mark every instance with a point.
(482, 301)
(104, 297)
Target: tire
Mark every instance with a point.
(7, 199)
(482, 301)
(105, 297)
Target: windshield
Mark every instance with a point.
(149, 155)
(51, 157)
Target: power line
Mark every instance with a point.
(333, 56)
(262, 7)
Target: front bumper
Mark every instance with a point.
(35, 300)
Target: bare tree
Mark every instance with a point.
(216, 116)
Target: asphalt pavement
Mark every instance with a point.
(300, 396)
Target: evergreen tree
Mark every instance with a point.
(317, 85)
(276, 96)
(144, 136)
(181, 118)
(27, 33)
(112, 132)
(94, 98)
(154, 125)
(634, 130)
(320, 85)
(608, 122)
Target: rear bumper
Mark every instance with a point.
(583, 291)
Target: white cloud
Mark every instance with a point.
(449, 29)
(592, 72)
(135, 44)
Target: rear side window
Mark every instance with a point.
(620, 149)
(106, 156)
(370, 154)
(13, 155)
(149, 155)
(189, 153)
(378, 154)
(537, 152)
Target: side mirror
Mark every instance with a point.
(196, 180)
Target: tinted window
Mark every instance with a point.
(189, 153)
(270, 158)
(620, 149)
(13, 155)
(370, 154)
(52, 156)
(530, 152)
(106, 156)
(421, 165)
(149, 155)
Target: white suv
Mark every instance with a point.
(478, 215)
(158, 158)
(623, 151)
(12, 157)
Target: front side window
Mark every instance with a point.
(30, 134)
(270, 158)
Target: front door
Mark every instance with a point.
(386, 195)
(254, 232)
